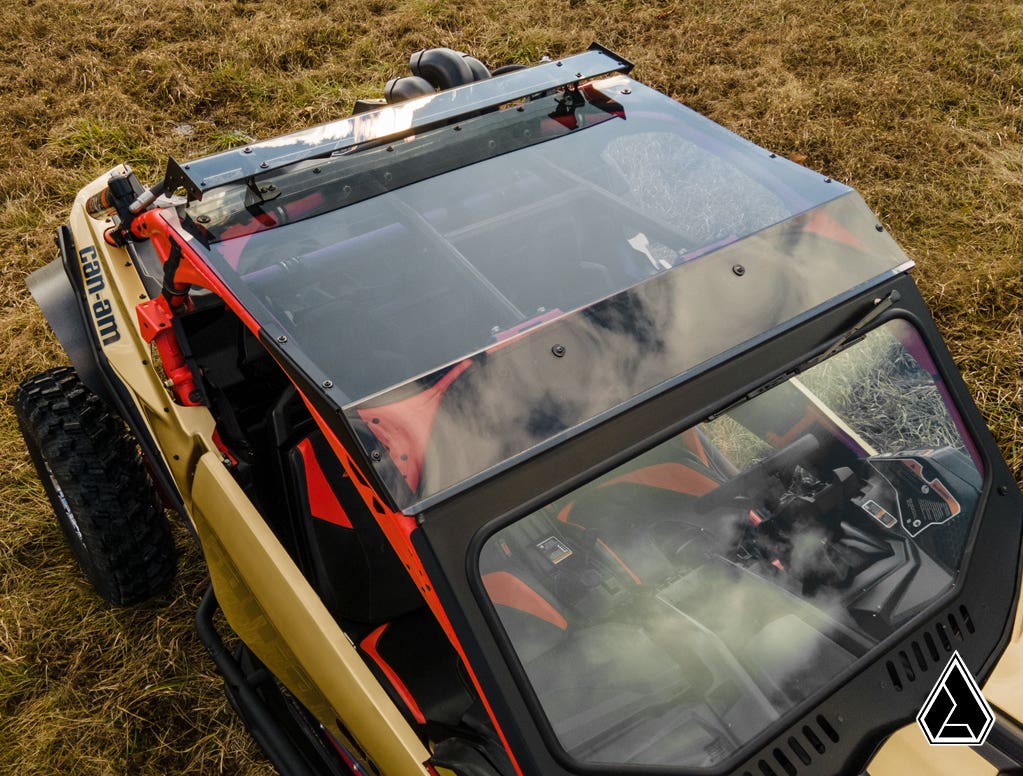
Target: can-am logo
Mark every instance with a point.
(956, 712)
(102, 310)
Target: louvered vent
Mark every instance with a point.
(929, 651)
(799, 750)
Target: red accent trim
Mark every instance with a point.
(823, 224)
(691, 439)
(508, 590)
(369, 646)
(620, 562)
(323, 503)
(346, 758)
(668, 476)
(219, 442)
(403, 427)
(810, 417)
(157, 226)
(397, 528)
(155, 318)
(565, 512)
(234, 238)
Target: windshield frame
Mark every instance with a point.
(455, 532)
(500, 531)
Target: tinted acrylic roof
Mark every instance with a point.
(477, 291)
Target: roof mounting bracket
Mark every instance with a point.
(199, 176)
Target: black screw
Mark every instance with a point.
(558, 351)
(264, 165)
(316, 170)
(827, 180)
(282, 339)
(558, 64)
(248, 150)
(203, 219)
(376, 456)
(457, 128)
(328, 383)
(195, 396)
(774, 156)
(390, 148)
(1003, 490)
(625, 91)
(127, 263)
(739, 270)
(177, 457)
(878, 227)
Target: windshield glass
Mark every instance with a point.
(676, 607)
(392, 260)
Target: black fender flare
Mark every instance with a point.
(58, 290)
(51, 289)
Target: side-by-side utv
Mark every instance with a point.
(532, 424)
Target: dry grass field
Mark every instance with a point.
(916, 103)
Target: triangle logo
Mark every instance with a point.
(956, 712)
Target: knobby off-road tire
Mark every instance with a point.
(106, 503)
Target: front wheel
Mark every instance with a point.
(105, 501)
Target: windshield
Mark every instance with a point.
(394, 259)
(673, 609)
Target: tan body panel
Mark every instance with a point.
(265, 598)
(274, 610)
(907, 753)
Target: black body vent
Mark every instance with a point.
(798, 750)
(931, 649)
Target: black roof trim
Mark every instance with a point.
(240, 164)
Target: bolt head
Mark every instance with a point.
(558, 351)
(738, 270)
(282, 339)
(328, 383)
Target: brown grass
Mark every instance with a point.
(918, 104)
